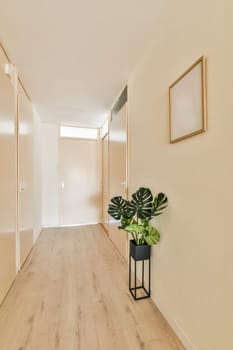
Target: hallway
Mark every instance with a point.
(72, 294)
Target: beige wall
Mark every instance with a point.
(192, 279)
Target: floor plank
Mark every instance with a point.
(72, 294)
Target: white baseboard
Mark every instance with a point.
(72, 225)
(75, 225)
(175, 326)
(36, 233)
(188, 344)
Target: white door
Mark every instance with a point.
(105, 181)
(7, 185)
(25, 175)
(118, 172)
(78, 199)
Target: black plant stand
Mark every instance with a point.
(139, 253)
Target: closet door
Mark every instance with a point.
(105, 186)
(25, 174)
(78, 195)
(7, 185)
(118, 172)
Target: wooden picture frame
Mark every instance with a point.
(187, 103)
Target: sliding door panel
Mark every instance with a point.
(105, 175)
(7, 185)
(25, 166)
(117, 172)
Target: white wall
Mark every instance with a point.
(50, 175)
(79, 198)
(37, 174)
(192, 279)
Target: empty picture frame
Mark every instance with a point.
(187, 103)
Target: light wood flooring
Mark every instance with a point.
(72, 294)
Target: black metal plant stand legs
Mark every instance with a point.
(133, 289)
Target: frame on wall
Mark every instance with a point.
(187, 103)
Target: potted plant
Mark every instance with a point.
(135, 216)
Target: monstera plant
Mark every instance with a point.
(136, 214)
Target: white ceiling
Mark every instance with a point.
(74, 56)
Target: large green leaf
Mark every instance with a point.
(125, 222)
(159, 204)
(129, 211)
(135, 228)
(152, 236)
(117, 207)
(142, 203)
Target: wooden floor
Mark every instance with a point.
(72, 294)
